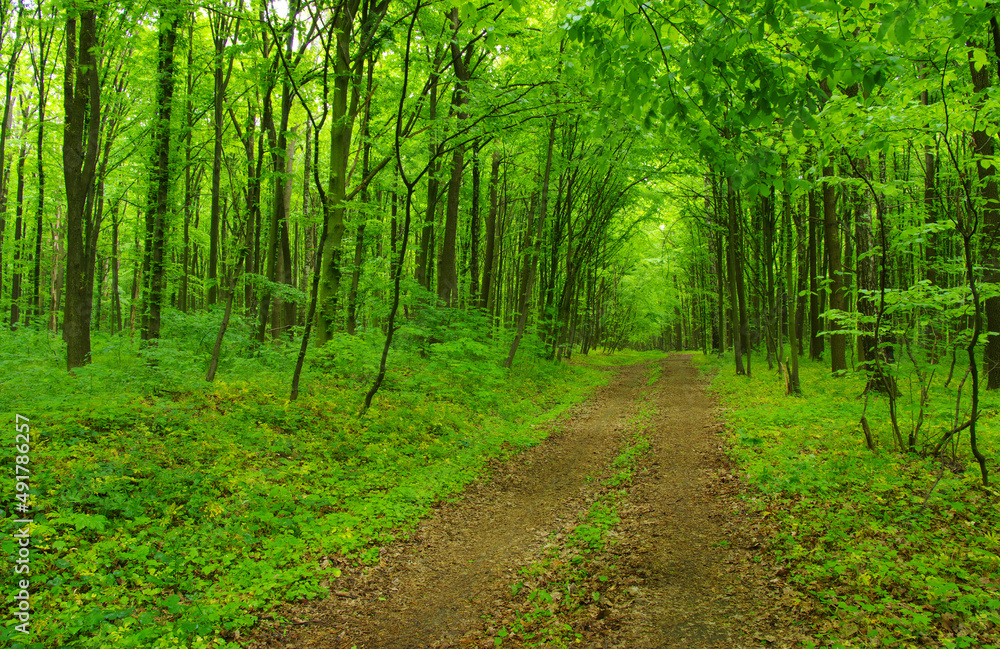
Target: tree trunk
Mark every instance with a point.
(8, 109)
(159, 186)
(531, 258)
(82, 104)
(342, 115)
(425, 252)
(838, 345)
(769, 220)
(15, 283)
(474, 229)
(734, 272)
(116, 304)
(359, 241)
(489, 259)
(792, 385)
(447, 275)
(815, 324)
(39, 61)
(220, 24)
(182, 296)
(983, 144)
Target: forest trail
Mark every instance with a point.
(686, 572)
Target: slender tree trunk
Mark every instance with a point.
(5, 126)
(447, 275)
(983, 144)
(815, 324)
(489, 261)
(531, 259)
(426, 248)
(342, 113)
(15, 284)
(82, 103)
(474, 234)
(220, 25)
(157, 203)
(359, 241)
(39, 63)
(116, 304)
(734, 272)
(277, 145)
(182, 297)
(769, 218)
(792, 385)
(838, 345)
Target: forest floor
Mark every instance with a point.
(686, 565)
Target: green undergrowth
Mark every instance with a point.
(169, 512)
(883, 548)
(563, 589)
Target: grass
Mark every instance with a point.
(169, 512)
(891, 548)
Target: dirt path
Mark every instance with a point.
(683, 556)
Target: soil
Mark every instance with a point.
(690, 563)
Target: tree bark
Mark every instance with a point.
(489, 255)
(838, 346)
(82, 106)
(359, 241)
(343, 110)
(734, 272)
(15, 282)
(474, 229)
(159, 187)
(447, 274)
(425, 251)
(983, 145)
(39, 62)
(531, 258)
(792, 385)
(815, 324)
(221, 24)
(116, 304)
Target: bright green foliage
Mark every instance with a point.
(885, 547)
(170, 512)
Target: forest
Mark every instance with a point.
(278, 278)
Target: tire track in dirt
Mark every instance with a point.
(677, 544)
(432, 590)
(689, 574)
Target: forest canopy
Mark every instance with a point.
(599, 174)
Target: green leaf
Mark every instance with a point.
(902, 28)
(798, 131)
(979, 59)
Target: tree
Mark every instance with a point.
(82, 104)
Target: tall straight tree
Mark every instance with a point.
(19, 229)
(223, 25)
(489, 259)
(447, 275)
(349, 51)
(8, 107)
(838, 341)
(159, 181)
(40, 51)
(82, 108)
(984, 149)
(532, 247)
